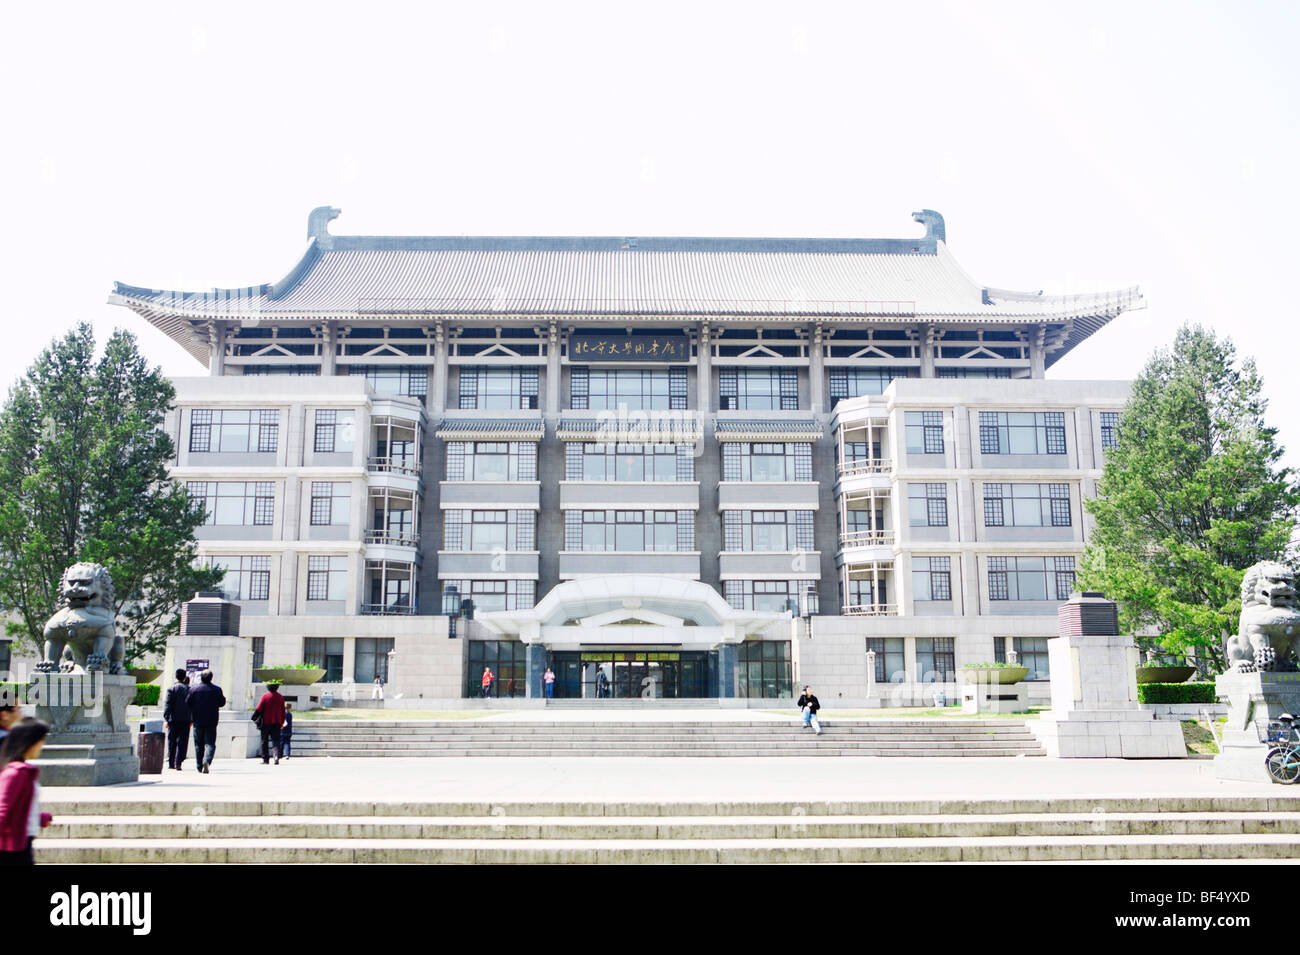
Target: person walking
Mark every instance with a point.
(176, 720)
(809, 704)
(21, 819)
(488, 677)
(270, 709)
(286, 731)
(378, 694)
(548, 683)
(205, 702)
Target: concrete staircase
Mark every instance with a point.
(1219, 828)
(503, 737)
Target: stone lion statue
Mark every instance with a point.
(85, 625)
(1270, 621)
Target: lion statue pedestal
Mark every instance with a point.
(1263, 679)
(81, 688)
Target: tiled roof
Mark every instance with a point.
(462, 428)
(679, 424)
(359, 277)
(738, 429)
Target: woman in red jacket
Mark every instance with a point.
(20, 795)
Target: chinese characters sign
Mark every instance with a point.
(629, 348)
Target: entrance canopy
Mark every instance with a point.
(631, 608)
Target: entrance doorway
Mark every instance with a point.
(629, 674)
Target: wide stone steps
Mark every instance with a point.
(630, 738)
(1063, 829)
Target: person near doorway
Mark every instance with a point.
(488, 677)
(378, 693)
(809, 705)
(548, 683)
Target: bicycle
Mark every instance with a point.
(1283, 760)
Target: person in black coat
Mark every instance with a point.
(176, 719)
(205, 702)
(810, 705)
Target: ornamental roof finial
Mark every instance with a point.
(319, 221)
(933, 223)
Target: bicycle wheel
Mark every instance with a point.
(1283, 765)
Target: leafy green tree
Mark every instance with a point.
(1191, 497)
(83, 476)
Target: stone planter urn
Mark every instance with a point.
(1165, 674)
(289, 676)
(1000, 675)
(145, 674)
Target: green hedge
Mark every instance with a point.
(1176, 693)
(147, 694)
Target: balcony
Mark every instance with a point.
(405, 466)
(871, 610)
(392, 539)
(396, 608)
(866, 466)
(866, 539)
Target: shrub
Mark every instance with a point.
(147, 694)
(1176, 693)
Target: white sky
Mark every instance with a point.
(1070, 148)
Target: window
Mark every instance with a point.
(507, 660)
(871, 380)
(890, 659)
(861, 593)
(637, 389)
(498, 388)
(1110, 429)
(767, 596)
(259, 652)
(231, 431)
(247, 578)
(495, 594)
(758, 389)
(1027, 505)
(390, 595)
(234, 503)
(326, 653)
(409, 380)
(491, 461)
(660, 463)
(767, 530)
(763, 669)
(1031, 578)
(1030, 652)
(936, 660)
(334, 431)
(489, 530)
(372, 659)
(327, 578)
(742, 461)
(927, 505)
(931, 578)
(974, 372)
(923, 432)
(629, 530)
(330, 502)
(860, 520)
(1022, 432)
(287, 370)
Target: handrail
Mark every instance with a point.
(396, 465)
(392, 609)
(866, 466)
(871, 610)
(866, 538)
(400, 540)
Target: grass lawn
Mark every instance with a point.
(914, 713)
(1199, 740)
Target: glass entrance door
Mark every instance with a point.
(631, 674)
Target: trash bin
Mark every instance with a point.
(151, 746)
(327, 699)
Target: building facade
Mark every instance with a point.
(662, 467)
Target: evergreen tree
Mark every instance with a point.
(83, 476)
(1191, 497)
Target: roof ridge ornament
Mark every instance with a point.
(318, 223)
(933, 222)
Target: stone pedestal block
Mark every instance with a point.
(1253, 700)
(994, 697)
(89, 742)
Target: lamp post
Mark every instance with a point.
(451, 608)
(811, 602)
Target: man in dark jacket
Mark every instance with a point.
(809, 704)
(271, 709)
(176, 718)
(205, 702)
